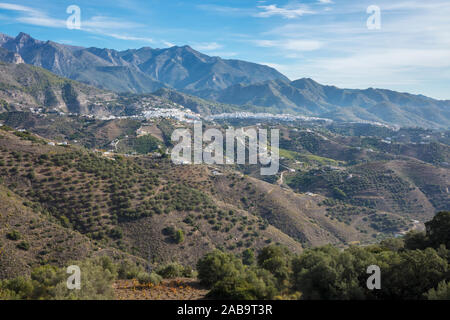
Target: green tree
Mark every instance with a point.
(170, 271)
(339, 194)
(393, 244)
(276, 259)
(248, 257)
(329, 274)
(438, 229)
(216, 266)
(442, 292)
(13, 235)
(178, 236)
(416, 240)
(45, 279)
(248, 285)
(413, 274)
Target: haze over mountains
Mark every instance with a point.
(231, 82)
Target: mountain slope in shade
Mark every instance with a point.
(10, 57)
(142, 70)
(23, 87)
(307, 97)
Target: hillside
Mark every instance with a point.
(23, 87)
(29, 238)
(411, 189)
(307, 97)
(10, 57)
(372, 146)
(81, 167)
(135, 204)
(128, 203)
(194, 103)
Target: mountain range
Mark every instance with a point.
(140, 71)
(222, 84)
(307, 97)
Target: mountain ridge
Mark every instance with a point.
(179, 67)
(307, 97)
(223, 84)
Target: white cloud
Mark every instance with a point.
(103, 22)
(209, 46)
(413, 5)
(290, 44)
(32, 16)
(397, 69)
(285, 12)
(223, 54)
(227, 11)
(410, 53)
(101, 25)
(386, 60)
(168, 44)
(42, 21)
(129, 38)
(16, 7)
(326, 1)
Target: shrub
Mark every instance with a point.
(438, 229)
(275, 259)
(23, 245)
(170, 271)
(45, 279)
(13, 235)
(17, 288)
(248, 257)
(416, 240)
(178, 237)
(116, 233)
(250, 284)
(322, 273)
(216, 266)
(128, 270)
(442, 292)
(339, 194)
(414, 273)
(96, 283)
(147, 278)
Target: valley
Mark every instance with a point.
(86, 176)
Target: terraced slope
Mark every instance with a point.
(161, 212)
(130, 203)
(410, 188)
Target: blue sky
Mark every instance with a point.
(327, 40)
